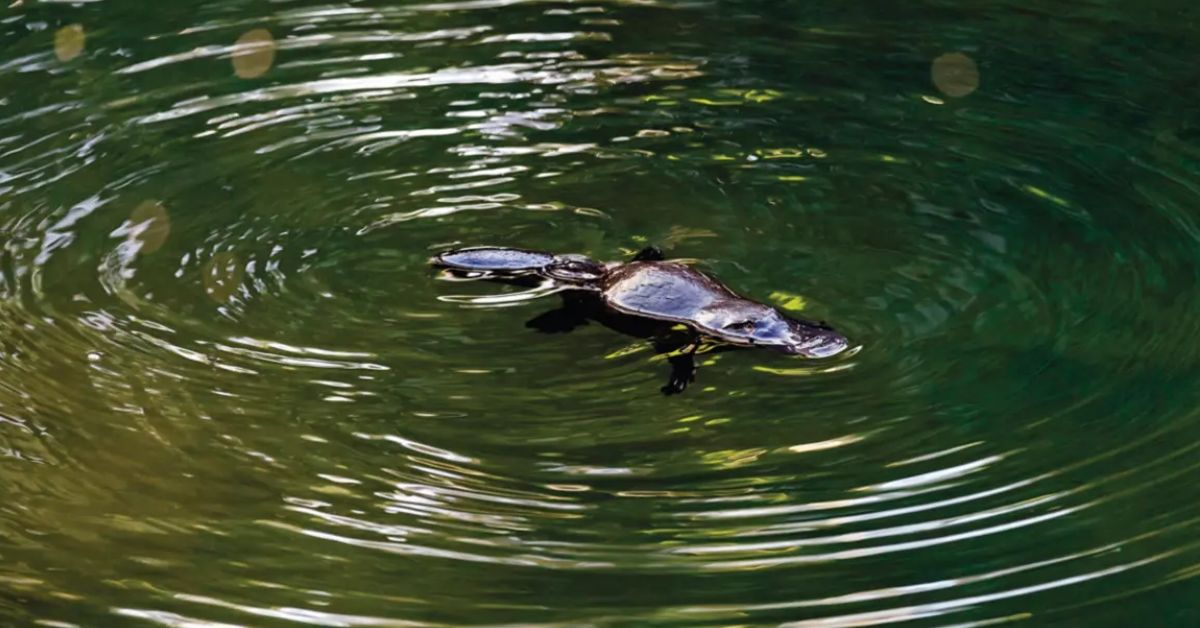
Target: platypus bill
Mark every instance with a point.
(644, 297)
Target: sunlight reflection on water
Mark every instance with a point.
(232, 390)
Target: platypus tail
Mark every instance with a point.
(494, 259)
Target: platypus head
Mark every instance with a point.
(575, 270)
(813, 340)
(770, 328)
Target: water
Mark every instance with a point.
(231, 392)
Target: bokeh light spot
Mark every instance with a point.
(151, 225)
(955, 74)
(254, 53)
(69, 42)
(222, 276)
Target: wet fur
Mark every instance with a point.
(581, 308)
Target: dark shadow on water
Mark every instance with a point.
(579, 309)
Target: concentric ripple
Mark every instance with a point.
(233, 393)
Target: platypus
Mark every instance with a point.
(651, 289)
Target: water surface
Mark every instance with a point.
(231, 392)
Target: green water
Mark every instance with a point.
(232, 393)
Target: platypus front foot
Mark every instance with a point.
(683, 372)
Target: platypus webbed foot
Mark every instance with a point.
(683, 369)
(683, 373)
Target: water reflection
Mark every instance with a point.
(232, 392)
(223, 275)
